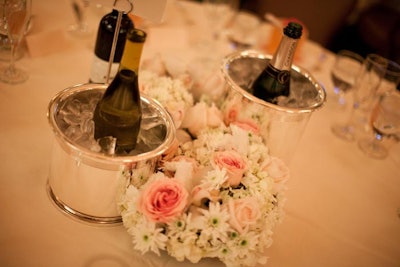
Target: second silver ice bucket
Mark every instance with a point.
(281, 126)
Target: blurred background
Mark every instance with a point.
(363, 26)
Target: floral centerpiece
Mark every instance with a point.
(218, 192)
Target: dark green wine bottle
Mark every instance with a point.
(103, 45)
(274, 80)
(118, 113)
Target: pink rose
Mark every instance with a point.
(248, 125)
(214, 116)
(231, 114)
(234, 164)
(201, 116)
(177, 112)
(232, 109)
(243, 213)
(278, 171)
(207, 79)
(163, 200)
(214, 86)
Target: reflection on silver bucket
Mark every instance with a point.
(84, 182)
(280, 126)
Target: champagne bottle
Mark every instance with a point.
(118, 113)
(104, 40)
(274, 80)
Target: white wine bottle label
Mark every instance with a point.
(98, 73)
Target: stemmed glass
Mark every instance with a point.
(218, 14)
(81, 27)
(385, 120)
(391, 77)
(3, 33)
(343, 74)
(364, 90)
(243, 30)
(17, 14)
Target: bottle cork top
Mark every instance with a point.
(293, 30)
(136, 35)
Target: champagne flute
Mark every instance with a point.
(385, 120)
(17, 16)
(81, 27)
(343, 74)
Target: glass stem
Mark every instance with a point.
(342, 98)
(11, 67)
(376, 142)
(350, 119)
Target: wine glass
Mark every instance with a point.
(385, 121)
(17, 15)
(5, 47)
(343, 74)
(4, 44)
(218, 14)
(391, 77)
(243, 30)
(81, 27)
(364, 89)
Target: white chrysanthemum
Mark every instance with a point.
(214, 139)
(258, 153)
(171, 93)
(215, 219)
(128, 200)
(164, 88)
(183, 246)
(215, 178)
(234, 193)
(202, 155)
(147, 236)
(183, 235)
(178, 226)
(242, 250)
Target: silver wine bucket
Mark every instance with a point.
(84, 183)
(281, 126)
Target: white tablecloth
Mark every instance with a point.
(342, 207)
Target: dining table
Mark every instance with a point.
(342, 207)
